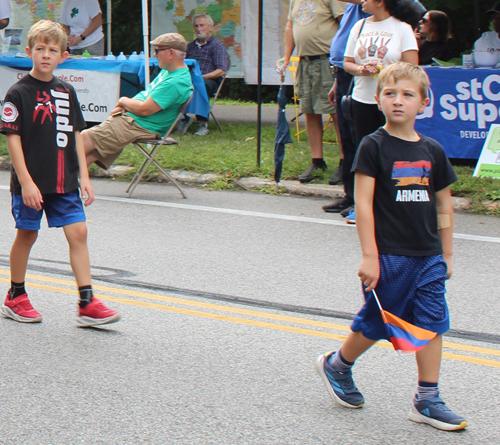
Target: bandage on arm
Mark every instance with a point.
(444, 221)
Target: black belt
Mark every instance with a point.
(336, 69)
(311, 58)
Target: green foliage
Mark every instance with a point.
(126, 25)
(483, 192)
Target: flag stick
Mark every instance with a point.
(376, 299)
(379, 306)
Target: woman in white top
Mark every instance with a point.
(375, 42)
(82, 21)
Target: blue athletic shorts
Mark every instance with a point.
(60, 209)
(412, 288)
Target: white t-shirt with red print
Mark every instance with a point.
(381, 43)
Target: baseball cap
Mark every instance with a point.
(171, 40)
(494, 9)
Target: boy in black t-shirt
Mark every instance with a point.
(404, 217)
(42, 120)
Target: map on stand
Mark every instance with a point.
(175, 16)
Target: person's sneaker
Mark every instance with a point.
(202, 130)
(95, 314)
(350, 219)
(346, 211)
(20, 309)
(336, 178)
(183, 125)
(308, 175)
(434, 412)
(337, 206)
(340, 385)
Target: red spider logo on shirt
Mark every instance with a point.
(44, 106)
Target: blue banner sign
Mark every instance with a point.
(464, 103)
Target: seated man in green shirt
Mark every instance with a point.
(149, 113)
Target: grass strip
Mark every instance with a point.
(232, 154)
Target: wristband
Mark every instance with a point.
(379, 67)
(82, 37)
(360, 68)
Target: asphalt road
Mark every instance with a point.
(227, 298)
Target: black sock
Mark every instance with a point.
(319, 162)
(16, 290)
(85, 295)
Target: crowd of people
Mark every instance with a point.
(396, 181)
(368, 35)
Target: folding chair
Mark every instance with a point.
(212, 103)
(216, 95)
(330, 124)
(150, 154)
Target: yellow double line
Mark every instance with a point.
(217, 312)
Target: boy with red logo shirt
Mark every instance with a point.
(42, 120)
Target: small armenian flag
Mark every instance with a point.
(404, 336)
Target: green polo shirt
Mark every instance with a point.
(169, 91)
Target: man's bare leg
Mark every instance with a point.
(314, 129)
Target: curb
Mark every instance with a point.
(190, 178)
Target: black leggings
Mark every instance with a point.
(367, 119)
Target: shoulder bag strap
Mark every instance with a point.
(351, 86)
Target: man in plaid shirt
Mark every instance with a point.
(212, 57)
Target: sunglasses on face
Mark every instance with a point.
(157, 50)
(424, 20)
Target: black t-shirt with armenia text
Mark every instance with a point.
(407, 176)
(46, 116)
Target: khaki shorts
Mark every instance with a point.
(313, 83)
(113, 135)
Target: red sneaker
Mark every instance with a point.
(20, 309)
(95, 314)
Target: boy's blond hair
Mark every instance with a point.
(47, 31)
(405, 71)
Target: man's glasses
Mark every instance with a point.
(424, 20)
(157, 50)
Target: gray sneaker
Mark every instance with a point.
(434, 412)
(308, 175)
(183, 125)
(202, 130)
(340, 385)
